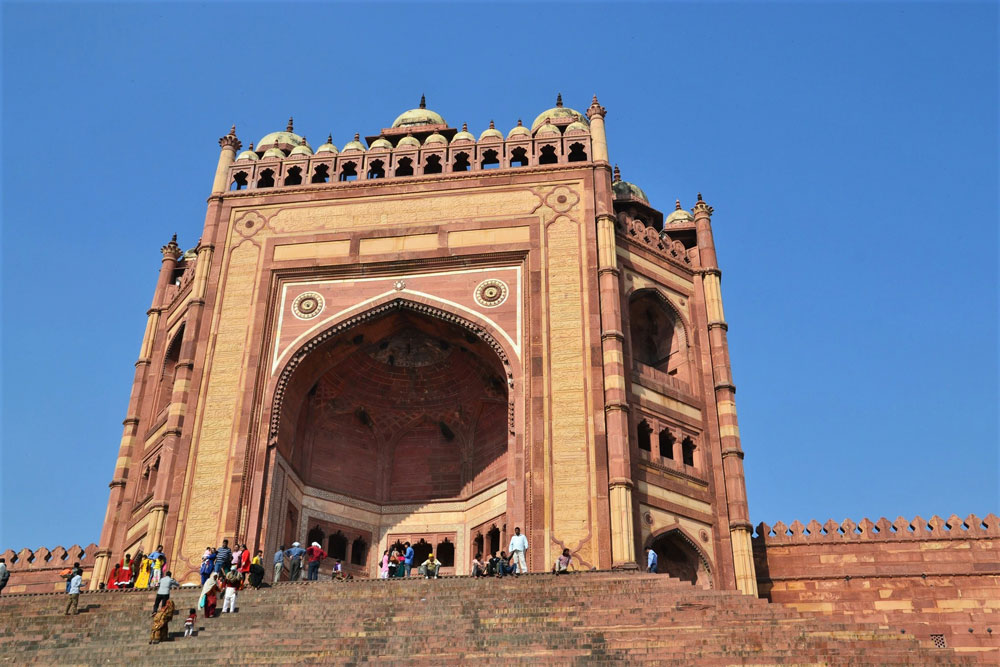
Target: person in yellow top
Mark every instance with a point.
(142, 580)
(257, 570)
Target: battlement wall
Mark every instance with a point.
(40, 570)
(938, 579)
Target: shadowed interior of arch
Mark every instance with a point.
(678, 558)
(402, 408)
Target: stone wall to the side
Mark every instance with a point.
(937, 579)
(42, 570)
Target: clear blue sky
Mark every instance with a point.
(849, 150)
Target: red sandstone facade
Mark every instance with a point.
(436, 338)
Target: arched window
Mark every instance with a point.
(359, 552)
(405, 167)
(576, 153)
(446, 553)
(657, 336)
(490, 160)
(165, 387)
(548, 155)
(666, 444)
(432, 165)
(266, 179)
(239, 181)
(376, 169)
(477, 544)
(493, 537)
(687, 451)
(461, 164)
(321, 174)
(294, 176)
(337, 546)
(645, 431)
(315, 535)
(349, 172)
(519, 157)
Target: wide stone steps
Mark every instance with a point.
(578, 618)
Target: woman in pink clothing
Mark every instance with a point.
(385, 564)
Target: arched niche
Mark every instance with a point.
(657, 335)
(678, 556)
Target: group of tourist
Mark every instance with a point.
(143, 571)
(223, 560)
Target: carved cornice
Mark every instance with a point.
(741, 524)
(613, 270)
(718, 324)
(118, 481)
(608, 407)
(606, 217)
(130, 421)
(710, 271)
(230, 140)
(725, 385)
(617, 482)
(143, 361)
(733, 451)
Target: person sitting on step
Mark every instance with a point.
(430, 567)
(562, 564)
(478, 569)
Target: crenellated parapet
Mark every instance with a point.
(918, 528)
(43, 558)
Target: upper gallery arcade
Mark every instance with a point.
(434, 337)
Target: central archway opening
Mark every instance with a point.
(394, 430)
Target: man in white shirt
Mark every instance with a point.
(518, 546)
(74, 593)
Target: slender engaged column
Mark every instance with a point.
(740, 528)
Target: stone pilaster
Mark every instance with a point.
(598, 139)
(740, 529)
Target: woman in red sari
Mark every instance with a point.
(125, 574)
(115, 576)
(209, 594)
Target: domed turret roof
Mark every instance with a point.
(287, 140)
(302, 149)
(464, 135)
(247, 154)
(328, 147)
(274, 151)
(679, 215)
(519, 130)
(408, 140)
(547, 128)
(577, 126)
(626, 190)
(491, 133)
(435, 139)
(558, 111)
(381, 144)
(355, 144)
(419, 116)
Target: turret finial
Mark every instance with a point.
(465, 127)
(171, 250)
(596, 109)
(329, 138)
(230, 140)
(519, 124)
(357, 136)
(251, 145)
(559, 100)
(290, 125)
(699, 197)
(677, 205)
(423, 102)
(618, 174)
(492, 127)
(594, 101)
(232, 130)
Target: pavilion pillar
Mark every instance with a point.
(740, 528)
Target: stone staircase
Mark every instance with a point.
(576, 618)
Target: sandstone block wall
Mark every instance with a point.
(39, 571)
(936, 579)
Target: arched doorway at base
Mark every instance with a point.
(679, 558)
